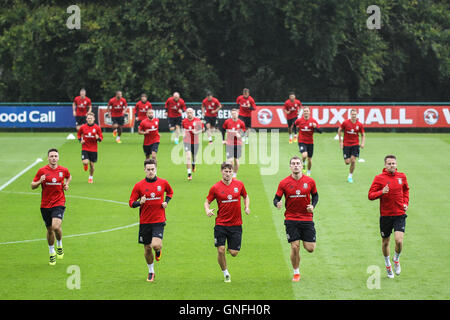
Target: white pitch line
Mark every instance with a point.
(20, 173)
(73, 235)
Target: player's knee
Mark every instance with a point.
(310, 248)
(234, 253)
(295, 245)
(221, 250)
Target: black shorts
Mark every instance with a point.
(247, 121)
(387, 223)
(291, 122)
(147, 231)
(305, 147)
(300, 230)
(151, 148)
(79, 120)
(193, 148)
(211, 121)
(232, 235)
(118, 120)
(175, 121)
(233, 151)
(351, 151)
(90, 155)
(49, 213)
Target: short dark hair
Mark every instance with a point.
(292, 93)
(208, 93)
(226, 165)
(295, 158)
(52, 150)
(246, 89)
(143, 95)
(149, 161)
(390, 156)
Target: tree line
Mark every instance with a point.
(322, 50)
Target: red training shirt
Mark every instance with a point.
(81, 105)
(391, 203)
(293, 107)
(173, 106)
(210, 106)
(245, 105)
(141, 109)
(351, 132)
(52, 187)
(151, 211)
(118, 107)
(229, 202)
(232, 128)
(189, 127)
(152, 125)
(306, 130)
(88, 133)
(298, 196)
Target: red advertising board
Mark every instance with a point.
(380, 116)
(104, 119)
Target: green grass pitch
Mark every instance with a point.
(112, 264)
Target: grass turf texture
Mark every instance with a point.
(112, 264)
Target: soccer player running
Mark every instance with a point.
(148, 195)
(301, 197)
(140, 110)
(234, 128)
(210, 108)
(291, 107)
(116, 108)
(174, 109)
(89, 134)
(306, 128)
(192, 127)
(246, 105)
(391, 187)
(352, 128)
(81, 106)
(149, 128)
(228, 227)
(54, 180)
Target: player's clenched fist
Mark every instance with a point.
(279, 205)
(210, 212)
(143, 199)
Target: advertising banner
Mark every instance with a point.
(371, 116)
(36, 117)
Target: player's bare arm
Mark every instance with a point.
(363, 139)
(73, 108)
(35, 184)
(341, 143)
(247, 204)
(208, 210)
(66, 184)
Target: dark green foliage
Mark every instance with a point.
(321, 49)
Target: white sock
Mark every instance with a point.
(117, 138)
(51, 249)
(91, 177)
(350, 175)
(297, 271)
(150, 268)
(59, 243)
(309, 171)
(387, 261)
(225, 272)
(397, 256)
(189, 171)
(290, 136)
(210, 138)
(234, 175)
